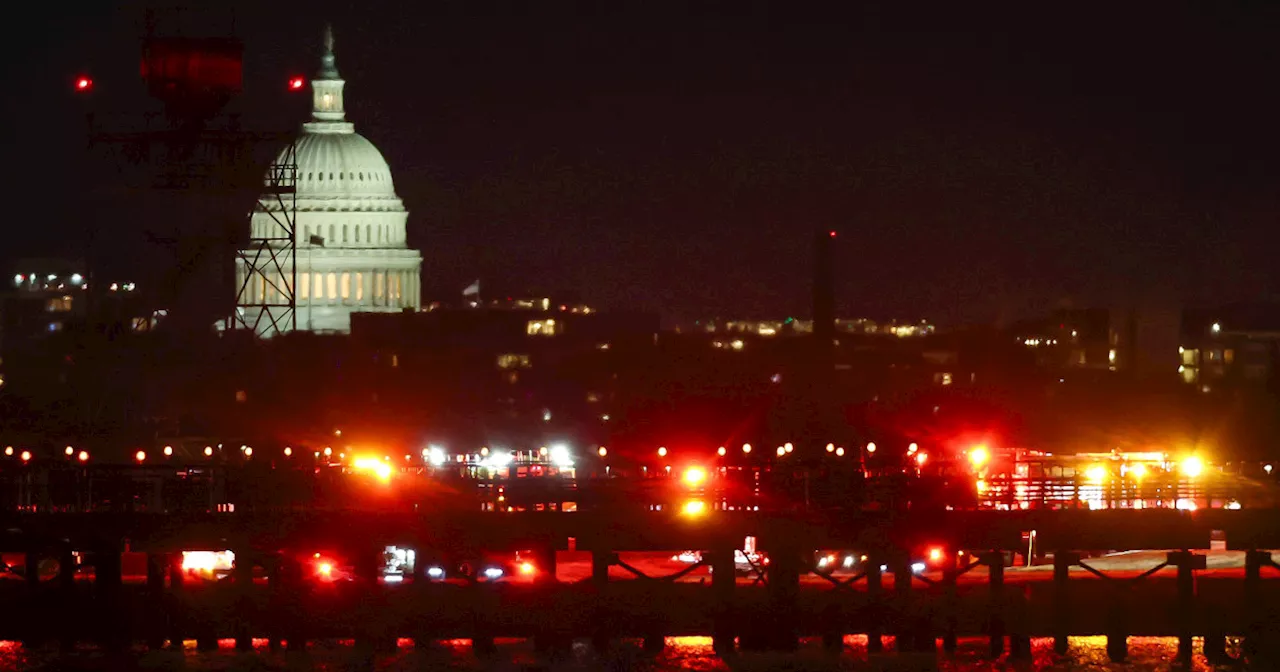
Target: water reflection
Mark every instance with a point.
(514, 655)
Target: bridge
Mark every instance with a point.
(73, 565)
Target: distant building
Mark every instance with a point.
(1071, 338)
(792, 326)
(43, 296)
(1230, 346)
(350, 230)
(516, 371)
(517, 328)
(44, 302)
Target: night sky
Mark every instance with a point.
(979, 164)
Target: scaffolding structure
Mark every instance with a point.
(266, 266)
(217, 163)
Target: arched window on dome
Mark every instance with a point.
(311, 176)
(330, 176)
(346, 288)
(322, 177)
(357, 233)
(332, 229)
(360, 177)
(341, 176)
(368, 233)
(332, 283)
(344, 233)
(304, 287)
(359, 287)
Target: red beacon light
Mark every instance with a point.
(83, 84)
(296, 83)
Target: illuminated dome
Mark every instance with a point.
(350, 227)
(343, 165)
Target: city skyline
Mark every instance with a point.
(977, 166)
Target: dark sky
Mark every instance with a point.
(979, 163)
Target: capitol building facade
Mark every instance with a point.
(350, 228)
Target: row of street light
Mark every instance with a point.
(788, 447)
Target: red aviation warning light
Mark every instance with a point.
(83, 84)
(832, 234)
(296, 83)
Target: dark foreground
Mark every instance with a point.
(1085, 654)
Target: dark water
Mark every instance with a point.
(516, 655)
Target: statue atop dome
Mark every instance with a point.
(327, 114)
(328, 63)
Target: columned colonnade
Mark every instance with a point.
(373, 288)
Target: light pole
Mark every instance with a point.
(312, 243)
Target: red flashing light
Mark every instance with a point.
(296, 83)
(832, 234)
(83, 83)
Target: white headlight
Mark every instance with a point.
(493, 573)
(435, 572)
(917, 567)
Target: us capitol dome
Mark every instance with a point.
(350, 227)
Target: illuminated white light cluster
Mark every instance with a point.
(560, 455)
(497, 459)
(435, 455)
(207, 561)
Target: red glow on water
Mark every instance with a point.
(256, 643)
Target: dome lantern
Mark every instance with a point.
(327, 113)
